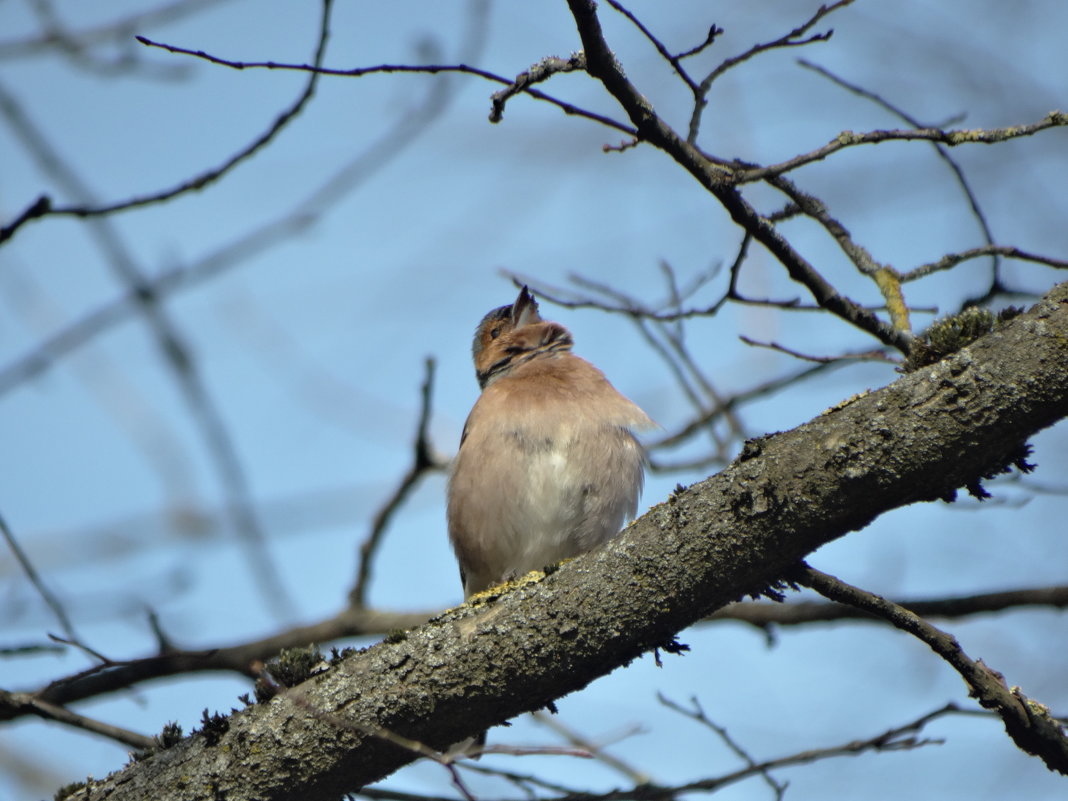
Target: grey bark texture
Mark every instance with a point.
(918, 439)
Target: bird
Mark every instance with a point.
(549, 466)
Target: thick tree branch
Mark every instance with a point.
(355, 622)
(917, 439)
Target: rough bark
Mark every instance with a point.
(917, 439)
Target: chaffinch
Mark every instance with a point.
(548, 466)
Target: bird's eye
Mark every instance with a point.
(495, 332)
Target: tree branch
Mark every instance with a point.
(986, 136)
(917, 439)
(29, 704)
(1029, 723)
(46, 594)
(423, 461)
(42, 206)
(800, 613)
(240, 658)
(717, 179)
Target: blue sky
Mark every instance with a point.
(313, 349)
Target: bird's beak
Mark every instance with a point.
(525, 309)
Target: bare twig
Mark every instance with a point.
(450, 759)
(1027, 722)
(26, 703)
(791, 39)
(760, 390)
(697, 713)
(31, 649)
(104, 661)
(417, 69)
(674, 61)
(943, 154)
(964, 606)
(120, 675)
(116, 30)
(867, 355)
(595, 750)
(541, 71)
(885, 278)
(31, 573)
(953, 259)
(424, 461)
(239, 251)
(717, 179)
(205, 178)
(812, 207)
(176, 355)
(986, 136)
(898, 738)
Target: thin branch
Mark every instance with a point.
(104, 662)
(541, 71)
(239, 658)
(596, 750)
(39, 209)
(899, 738)
(423, 461)
(114, 31)
(867, 355)
(176, 355)
(25, 703)
(953, 259)
(30, 649)
(717, 179)
(1027, 722)
(417, 69)
(697, 713)
(633, 307)
(239, 251)
(884, 277)
(986, 136)
(674, 61)
(764, 388)
(449, 759)
(812, 207)
(943, 154)
(801, 613)
(790, 39)
(710, 39)
(31, 573)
